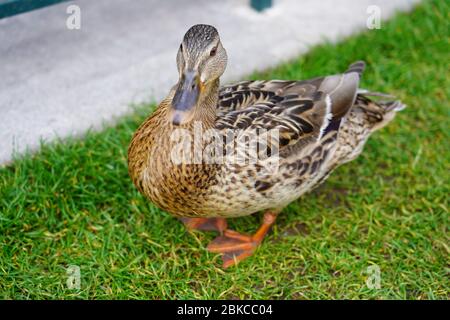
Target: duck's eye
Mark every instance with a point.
(213, 52)
(181, 47)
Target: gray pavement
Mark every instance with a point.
(56, 82)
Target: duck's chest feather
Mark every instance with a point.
(177, 187)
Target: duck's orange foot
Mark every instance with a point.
(205, 224)
(235, 247)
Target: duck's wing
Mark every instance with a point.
(297, 109)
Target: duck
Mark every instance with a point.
(210, 152)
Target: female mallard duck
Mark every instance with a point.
(319, 124)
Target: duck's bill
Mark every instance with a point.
(185, 98)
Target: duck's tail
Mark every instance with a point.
(371, 111)
(366, 116)
(379, 108)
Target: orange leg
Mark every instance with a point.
(235, 247)
(205, 224)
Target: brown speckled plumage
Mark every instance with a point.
(323, 122)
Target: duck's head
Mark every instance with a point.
(201, 60)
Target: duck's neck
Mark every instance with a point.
(206, 110)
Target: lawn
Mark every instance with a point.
(73, 203)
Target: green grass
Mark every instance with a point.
(74, 204)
